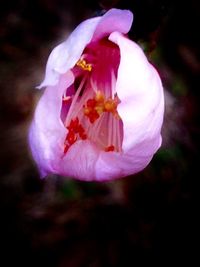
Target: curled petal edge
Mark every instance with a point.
(65, 55)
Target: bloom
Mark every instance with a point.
(101, 113)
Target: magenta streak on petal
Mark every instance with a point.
(104, 57)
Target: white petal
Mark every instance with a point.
(65, 55)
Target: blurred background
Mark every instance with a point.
(149, 217)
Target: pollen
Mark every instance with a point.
(110, 105)
(99, 97)
(75, 132)
(84, 65)
(95, 106)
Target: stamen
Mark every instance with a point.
(110, 132)
(110, 105)
(75, 132)
(95, 106)
(99, 97)
(75, 98)
(92, 110)
(109, 148)
(84, 65)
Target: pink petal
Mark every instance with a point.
(65, 55)
(47, 132)
(113, 20)
(117, 165)
(113, 165)
(141, 109)
(79, 161)
(140, 91)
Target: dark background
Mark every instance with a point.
(149, 217)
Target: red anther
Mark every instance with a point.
(86, 110)
(80, 128)
(91, 103)
(75, 131)
(93, 116)
(109, 148)
(71, 137)
(81, 132)
(66, 147)
(83, 136)
(74, 125)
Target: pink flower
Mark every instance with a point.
(101, 113)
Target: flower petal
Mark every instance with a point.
(47, 132)
(141, 93)
(79, 161)
(114, 165)
(113, 20)
(141, 108)
(65, 55)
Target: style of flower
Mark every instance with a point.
(101, 113)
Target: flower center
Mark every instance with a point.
(89, 110)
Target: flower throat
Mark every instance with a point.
(89, 110)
